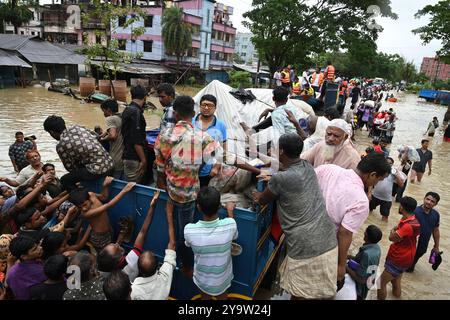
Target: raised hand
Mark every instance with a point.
(108, 180)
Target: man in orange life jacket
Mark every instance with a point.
(317, 80)
(286, 78)
(342, 96)
(296, 86)
(329, 76)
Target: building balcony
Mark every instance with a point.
(220, 64)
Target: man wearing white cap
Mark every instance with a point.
(335, 149)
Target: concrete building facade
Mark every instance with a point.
(245, 48)
(435, 69)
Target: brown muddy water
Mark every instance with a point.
(26, 109)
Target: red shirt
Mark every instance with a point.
(402, 253)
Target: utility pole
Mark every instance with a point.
(257, 73)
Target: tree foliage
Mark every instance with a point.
(438, 28)
(294, 31)
(176, 33)
(16, 12)
(240, 79)
(108, 14)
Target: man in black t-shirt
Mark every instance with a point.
(134, 136)
(426, 156)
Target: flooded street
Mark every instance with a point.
(26, 109)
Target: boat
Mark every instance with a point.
(257, 264)
(98, 97)
(392, 99)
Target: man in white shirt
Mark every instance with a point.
(153, 284)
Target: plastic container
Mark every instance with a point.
(352, 264)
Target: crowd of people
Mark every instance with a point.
(51, 226)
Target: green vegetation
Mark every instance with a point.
(176, 33)
(16, 12)
(240, 79)
(438, 28)
(294, 32)
(108, 52)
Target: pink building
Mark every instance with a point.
(213, 36)
(435, 69)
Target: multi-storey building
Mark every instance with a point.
(61, 23)
(435, 69)
(213, 35)
(33, 28)
(245, 48)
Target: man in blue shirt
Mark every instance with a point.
(429, 225)
(206, 121)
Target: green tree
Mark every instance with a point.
(438, 28)
(240, 79)
(16, 12)
(109, 53)
(295, 31)
(176, 33)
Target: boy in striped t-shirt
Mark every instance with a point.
(210, 239)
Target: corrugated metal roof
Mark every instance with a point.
(138, 68)
(36, 50)
(12, 41)
(11, 60)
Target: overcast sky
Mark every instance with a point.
(396, 36)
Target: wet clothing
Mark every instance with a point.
(78, 148)
(116, 146)
(401, 254)
(345, 155)
(17, 153)
(168, 120)
(428, 222)
(368, 256)
(301, 277)
(179, 154)
(211, 244)
(426, 156)
(133, 131)
(350, 206)
(302, 213)
(218, 131)
(100, 239)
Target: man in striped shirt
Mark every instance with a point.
(210, 239)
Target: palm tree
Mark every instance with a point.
(176, 33)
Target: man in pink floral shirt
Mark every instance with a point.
(180, 152)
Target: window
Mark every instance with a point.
(148, 46)
(122, 20)
(21, 32)
(193, 52)
(148, 22)
(244, 47)
(98, 39)
(207, 17)
(227, 37)
(206, 42)
(32, 33)
(122, 44)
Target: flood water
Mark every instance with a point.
(26, 109)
